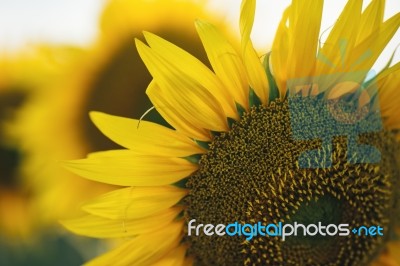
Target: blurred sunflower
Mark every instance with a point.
(109, 69)
(43, 143)
(23, 236)
(14, 196)
(231, 154)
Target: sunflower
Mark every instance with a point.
(114, 69)
(90, 77)
(255, 141)
(16, 83)
(42, 143)
(24, 238)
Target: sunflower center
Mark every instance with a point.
(252, 174)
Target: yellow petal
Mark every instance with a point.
(295, 46)
(173, 116)
(371, 19)
(388, 84)
(175, 257)
(99, 227)
(255, 72)
(134, 202)
(144, 249)
(186, 95)
(388, 71)
(393, 122)
(341, 40)
(126, 168)
(194, 69)
(304, 26)
(366, 53)
(227, 64)
(144, 137)
(279, 53)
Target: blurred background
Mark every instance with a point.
(61, 59)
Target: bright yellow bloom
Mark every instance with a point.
(27, 236)
(62, 84)
(88, 79)
(22, 73)
(234, 153)
(43, 139)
